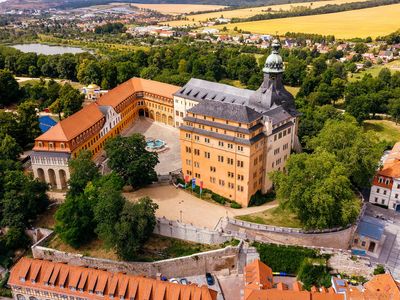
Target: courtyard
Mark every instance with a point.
(170, 158)
(177, 204)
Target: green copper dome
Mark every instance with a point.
(274, 62)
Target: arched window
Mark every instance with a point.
(20, 297)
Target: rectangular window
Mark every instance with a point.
(240, 163)
(196, 137)
(240, 148)
(220, 158)
(207, 154)
(188, 149)
(196, 152)
(221, 144)
(207, 140)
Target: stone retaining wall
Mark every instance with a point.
(222, 260)
(190, 233)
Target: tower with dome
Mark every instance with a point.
(232, 138)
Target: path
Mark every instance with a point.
(201, 213)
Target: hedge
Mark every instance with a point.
(259, 199)
(286, 259)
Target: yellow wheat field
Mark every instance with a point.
(178, 9)
(376, 21)
(251, 11)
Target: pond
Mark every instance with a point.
(47, 50)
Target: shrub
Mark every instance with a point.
(258, 198)
(314, 275)
(219, 199)
(235, 205)
(379, 270)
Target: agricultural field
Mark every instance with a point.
(178, 9)
(349, 24)
(251, 11)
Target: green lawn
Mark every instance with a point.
(393, 66)
(386, 130)
(273, 216)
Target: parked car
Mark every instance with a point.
(210, 279)
(174, 280)
(184, 281)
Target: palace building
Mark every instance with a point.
(35, 279)
(89, 128)
(232, 138)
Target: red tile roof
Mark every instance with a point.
(98, 284)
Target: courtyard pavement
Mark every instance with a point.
(170, 159)
(175, 204)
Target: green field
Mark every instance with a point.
(393, 66)
(274, 216)
(386, 130)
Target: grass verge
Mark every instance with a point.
(274, 216)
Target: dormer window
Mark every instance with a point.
(51, 145)
(40, 144)
(62, 145)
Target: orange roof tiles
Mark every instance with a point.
(383, 285)
(131, 86)
(380, 287)
(391, 166)
(89, 115)
(74, 125)
(106, 285)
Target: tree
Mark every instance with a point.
(23, 199)
(28, 122)
(9, 88)
(135, 227)
(359, 152)
(109, 205)
(130, 159)
(83, 170)
(69, 102)
(295, 72)
(317, 188)
(9, 148)
(89, 71)
(394, 108)
(360, 48)
(75, 220)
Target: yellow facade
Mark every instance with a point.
(231, 169)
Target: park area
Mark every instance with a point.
(248, 12)
(382, 20)
(386, 130)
